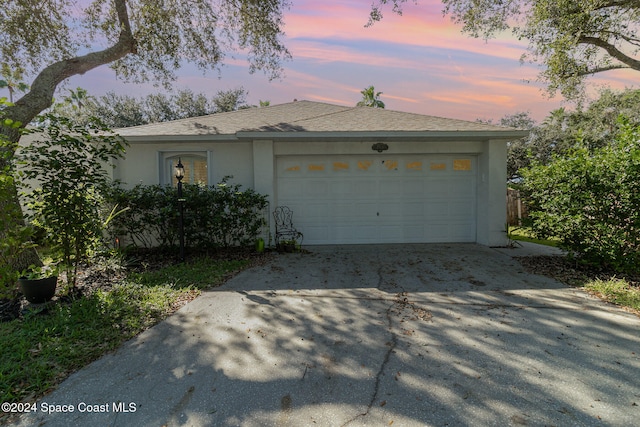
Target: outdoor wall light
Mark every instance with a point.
(179, 170)
(179, 176)
(379, 147)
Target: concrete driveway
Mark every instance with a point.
(408, 335)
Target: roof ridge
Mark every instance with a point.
(342, 110)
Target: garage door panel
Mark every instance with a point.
(365, 233)
(463, 232)
(459, 209)
(316, 188)
(401, 210)
(437, 187)
(365, 209)
(355, 199)
(315, 233)
(343, 211)
(461, 187)
(309, 211)
(292, 188)
(392, 188)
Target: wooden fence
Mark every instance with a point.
(516, 210)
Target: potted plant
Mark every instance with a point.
(287, 246)
(38, 284)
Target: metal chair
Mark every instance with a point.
(285, 231)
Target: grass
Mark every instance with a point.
(524, 234)
(616, 291)
(42, 349)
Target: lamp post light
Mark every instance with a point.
(179, 170)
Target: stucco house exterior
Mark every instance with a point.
(352, 175)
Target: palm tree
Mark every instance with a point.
(370, 98)
(12, 80)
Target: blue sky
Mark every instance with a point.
(420, 61)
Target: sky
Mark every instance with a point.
(420, 61)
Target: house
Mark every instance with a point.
(351, 175)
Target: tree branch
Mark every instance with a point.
(602, 69)
(618, 3)
(40, 97)
(612, 51)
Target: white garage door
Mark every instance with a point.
(380, 199)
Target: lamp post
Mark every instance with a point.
(179, 170)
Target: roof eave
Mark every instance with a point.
(180, 138)
(366, 136)
(506, 135)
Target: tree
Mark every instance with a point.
(573, 39)
(593, 127)
(589, 198)
(517, 151)
(230, 100)
(370, 98)
(145, 42)
(12, 80)
(118, 111)
(141, 40)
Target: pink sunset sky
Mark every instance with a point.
(420, 61)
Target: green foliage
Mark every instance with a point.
(198, 31)
(617, 291)
(40, 350)
(370, 98)
(15, 238)
(68, 162)
(218, 216)
(589, 201)
(595, 126)
(12, 80)
(118, 111)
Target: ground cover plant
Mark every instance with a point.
(524, 234)
(606, 284)
(40, 349)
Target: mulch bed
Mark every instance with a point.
(104, 275)
(570, 271)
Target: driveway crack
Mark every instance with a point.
(391, 344)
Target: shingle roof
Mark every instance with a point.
(307, 116)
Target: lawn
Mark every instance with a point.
(44, 347)
(524, 234)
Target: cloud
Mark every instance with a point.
(421, 25)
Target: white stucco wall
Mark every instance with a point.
(492, 190)
(143, 161)
(252, 165)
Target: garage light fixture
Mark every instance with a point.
(379, 147)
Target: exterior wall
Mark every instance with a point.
(252, 165)
(492, 190)
(143, 162)
(395, 147)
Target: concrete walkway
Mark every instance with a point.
(409, 335)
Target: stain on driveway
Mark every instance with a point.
(375, 335)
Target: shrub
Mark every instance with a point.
(588, 199)
(218, 216)
(68, 162)
(14, 236)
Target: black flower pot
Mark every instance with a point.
(37, 291)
